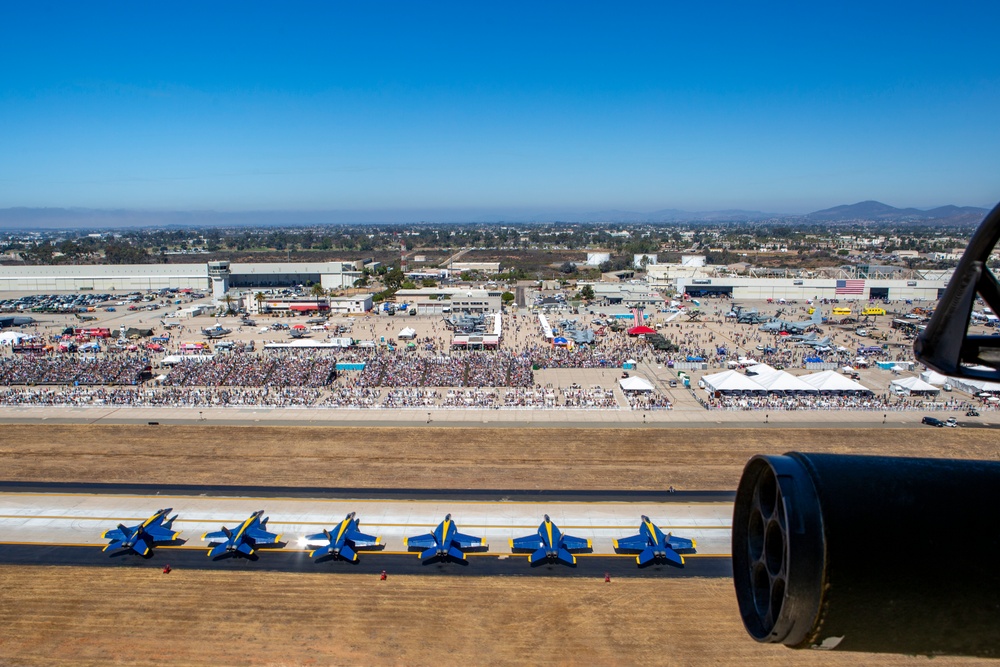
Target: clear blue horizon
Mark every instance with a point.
(787, 108)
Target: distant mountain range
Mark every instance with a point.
(86, 218)
(874, 210)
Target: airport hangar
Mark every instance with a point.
(218, 276)
(714, 281)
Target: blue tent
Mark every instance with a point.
(559, 340)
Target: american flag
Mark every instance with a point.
(850, 287)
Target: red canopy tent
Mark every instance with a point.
(641, 330)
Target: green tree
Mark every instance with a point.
(587, 292)
(507, 298)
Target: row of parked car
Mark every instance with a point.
(950, 421)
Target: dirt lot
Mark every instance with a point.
(452, 457)
(129, 616)
(85, 616)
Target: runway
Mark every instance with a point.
(53, 528)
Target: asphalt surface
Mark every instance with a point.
(372, 564)
(525, 421)
(489, 495)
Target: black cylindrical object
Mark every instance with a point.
(870, 553)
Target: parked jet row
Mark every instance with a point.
(547, 544)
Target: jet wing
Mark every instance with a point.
(162, 534)
(113, 534)
(573, 543)
(217, 536)
(318, 537)
(679, 543)
(633, 543)
(466, 541)
(362, 540)
(528, 542)
(425, 541)
(262, 536)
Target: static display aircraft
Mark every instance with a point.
(777, 325)
(444, 541)
(142, 537)
(15, 321)
(218, 331)
(747, 316)
(654, 545)
(817, 342)
(251, 533)
(549, 543)
(342, 540)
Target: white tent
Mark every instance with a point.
(760, 369)
(914, 385)
(634, 384)
(934, 378)
(973, 385)
(782, 381)
(407, 333)
(832, 381)
(13, 337)
(730, 381)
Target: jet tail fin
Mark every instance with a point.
(455, 553)
(537, 555)
(566, 557)
(646, 556)
(245, 549)
(113, 546)
(217, 550)
(347, 553)
(427, 554)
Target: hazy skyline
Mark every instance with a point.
(787, 108)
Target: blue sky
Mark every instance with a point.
(494, 107)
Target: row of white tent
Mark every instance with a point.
(763, 378)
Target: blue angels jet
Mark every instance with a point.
(549, 543)
(444, 541)
(653, 544)
(251, 533)
(342, 540)
(142, 537)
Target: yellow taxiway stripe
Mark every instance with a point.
(371, 500)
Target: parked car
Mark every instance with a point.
(952, 422)
(932, 421)
(972, 413)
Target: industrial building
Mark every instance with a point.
(440, 300)
(854, 283)
(218, 276)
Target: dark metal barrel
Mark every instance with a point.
(870, 553)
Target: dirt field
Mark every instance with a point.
(84, 616)
(131, 616)
(453, 457)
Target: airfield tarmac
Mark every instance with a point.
(85, 615)
(79, 519)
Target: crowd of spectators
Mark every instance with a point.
(867, 402)
(251, 370)
(85, 370)
(403, 369)
(647, 400)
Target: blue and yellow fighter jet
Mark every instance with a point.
(444, 541)
(251, 533)
(549, 543)
(655, 545)
(343, 540)
(142, 537)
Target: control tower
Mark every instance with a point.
(218, 273)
